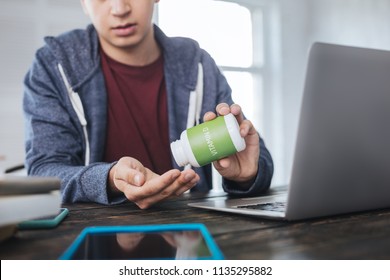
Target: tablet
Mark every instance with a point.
(169, 241)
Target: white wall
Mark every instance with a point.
(282, 99)
(363, 23)
(352, 22)
(23, 24)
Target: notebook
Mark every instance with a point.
(23, 198)
(342, 155)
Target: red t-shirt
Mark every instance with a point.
(137, 124)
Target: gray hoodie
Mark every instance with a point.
(65, 105)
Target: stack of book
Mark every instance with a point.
(24, 198)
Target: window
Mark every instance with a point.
(232, 32)
(225, 30)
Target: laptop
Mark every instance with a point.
(342, 155)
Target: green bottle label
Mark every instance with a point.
(210, 141)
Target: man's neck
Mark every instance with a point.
(137, 57)
(140, 55)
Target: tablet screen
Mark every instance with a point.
(186, 244)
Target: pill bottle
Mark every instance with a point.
(208, 142)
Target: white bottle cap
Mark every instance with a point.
(234, 132)
(182, 152)
(178, 153)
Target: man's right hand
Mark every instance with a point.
(144, 187)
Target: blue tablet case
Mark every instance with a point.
(215, 253)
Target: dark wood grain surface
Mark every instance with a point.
(354, 236)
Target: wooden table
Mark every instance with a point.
(353, 236)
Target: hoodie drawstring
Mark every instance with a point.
(78, 107)
(195, 103)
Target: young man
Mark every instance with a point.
(103, 104)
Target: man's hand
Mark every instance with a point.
(144, 187)
(240, 167)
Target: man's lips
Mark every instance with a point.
(124, 30)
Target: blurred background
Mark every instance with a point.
(260, 45)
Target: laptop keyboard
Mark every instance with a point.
(274, 206)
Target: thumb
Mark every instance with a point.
(136, 178)
(222, 163)
(132, 171)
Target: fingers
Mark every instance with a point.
(209, 116)
(130, 176)
(190, 179)
(222, 163)
(236, 110)
(185, 181)
(223, 109)
(128, 171)
(153, 186)
(158, 188)
(169, 237)
(247, 128)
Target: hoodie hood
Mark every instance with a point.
(78, 53)
(182, 63)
